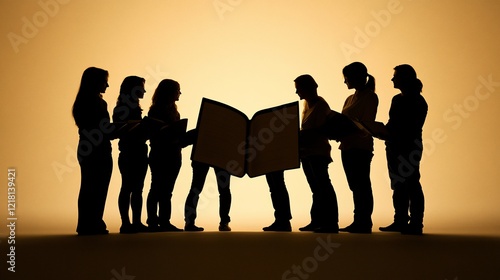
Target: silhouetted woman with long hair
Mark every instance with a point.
(404, 151)
(315, 157)
(357, 148)
(164, 158)
(94, 150)
(133, 158)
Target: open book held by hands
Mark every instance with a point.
(228, 139)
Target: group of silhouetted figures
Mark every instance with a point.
(402, 135)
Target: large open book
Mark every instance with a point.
(228, 139)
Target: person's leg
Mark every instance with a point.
(165, 203)
(200, 171)
(315, 212)
(103, 174)
(158, 180)
(417, 205)
(415, 193)
(85, 196)
(400, 198)
(223, 184)
(328, 198)
(136, 201)
(96, 171)
(324, 213)
(281, 202)
(126, 170)
(401, 203)
(279, 196)
(357, 169)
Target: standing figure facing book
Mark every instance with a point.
(94, 150)
(315, 157)
(404, 151)
(133, 158)
(357, 148)
(164, 157)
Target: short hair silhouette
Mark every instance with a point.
(306, 81)
(408, 77)
(357, 73)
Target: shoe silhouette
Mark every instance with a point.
(192, 227)
(224, 227)
(309, 227)
(394, 227)
(279, 226)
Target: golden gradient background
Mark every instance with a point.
(246, 54)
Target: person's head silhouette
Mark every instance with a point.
(132, 88)
(167, 92)
(94, 82)
(127, 104)
(306, 87)
(405, 79)
(356, 76)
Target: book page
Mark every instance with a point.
(273, 141)
(221, 137)
(374, 128)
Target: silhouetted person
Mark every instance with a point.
(404, 151)
(133, 158)
(200, 171)
(164, 157)
(357, 148)
(315, 157)
(94, 150)
(280, 201)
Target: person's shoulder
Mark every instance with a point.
(397, 97)
(422, 98)
(117, 108)
(351, 96)
(103, 103)
(371, 95)
(322, 102)
(152, 111)
(422, 101)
